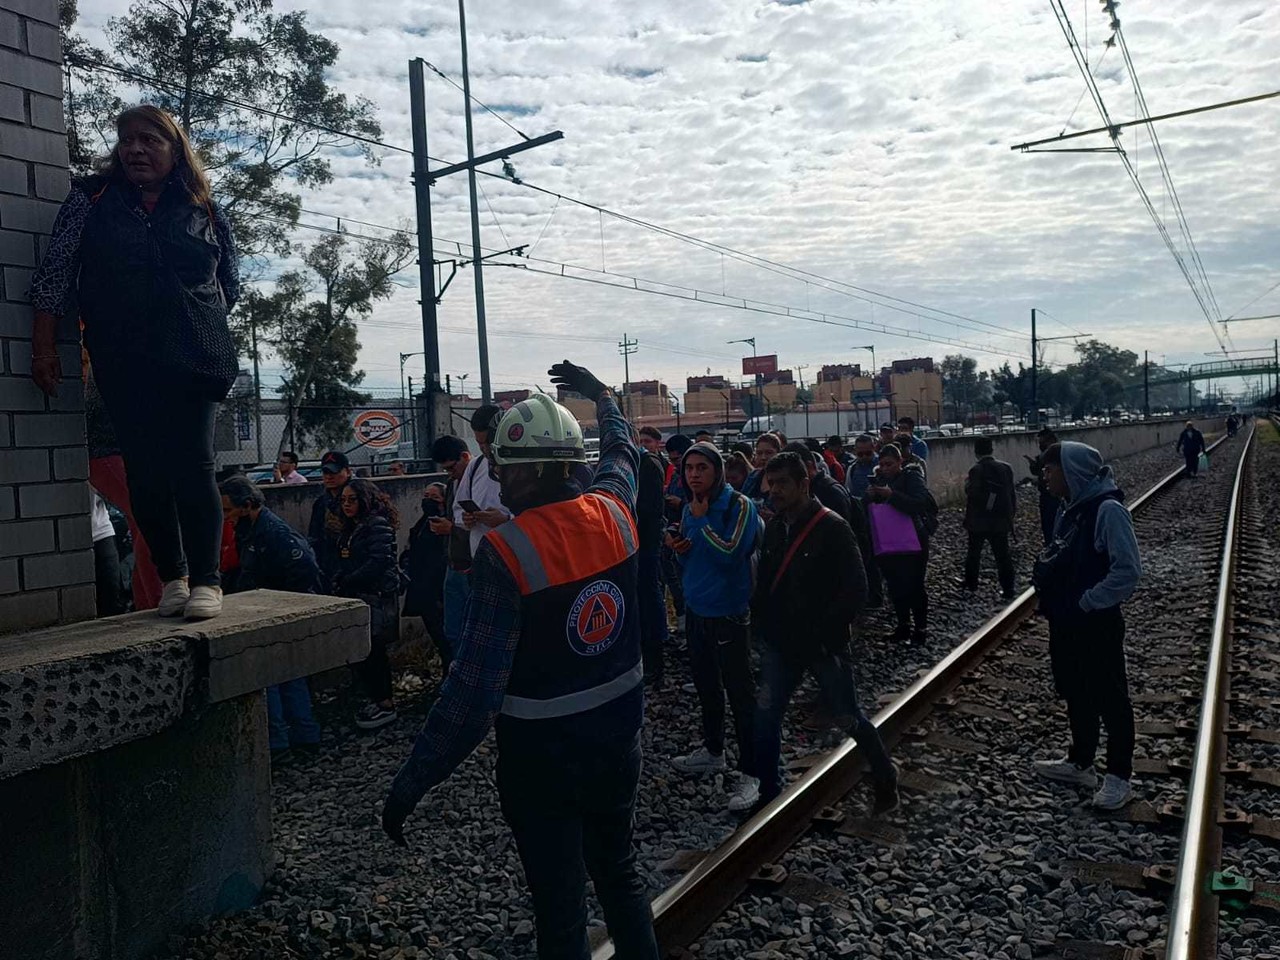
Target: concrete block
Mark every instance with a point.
(8, 576)
(75, 533)
(52, 183)
(79, 602)
(46, 11)
(48, 430)
(17, 281)
(29, 73)
(57, 570)
(13, 173)
(23, 538)
(20, 360)
(24, 466)
(90, 842)
(11, 106)
(70, 396)
(6, 431)
(20, 393)
(53, 500)
(23, 213)
(10, 30)
(70, 463)
(8, 504)
(17, 248)
(28, 610)
(15, 320)
(44, 41)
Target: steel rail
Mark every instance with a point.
(690, 905)
(1193, 913)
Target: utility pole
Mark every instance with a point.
(1146, 386)
(759, 381)
(627, 347)
(486, 388)
(402, 421)
(1275, 371)
(426, 257)
(800, 369)
(1034, 417)
(875, 378)
(257, 387)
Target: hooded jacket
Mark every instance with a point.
(717, 568)
(1088, 481)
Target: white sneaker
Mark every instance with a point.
(1064, 771)
(701, 760)
(745, 795)
(1113, 794)
(173, 599)
(205, 602)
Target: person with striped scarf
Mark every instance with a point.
(717, 543)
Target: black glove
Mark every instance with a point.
(579, 379)
(394, 814)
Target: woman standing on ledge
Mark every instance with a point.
(148, 261)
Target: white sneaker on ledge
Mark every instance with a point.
(205, 602)
(1064, 771)
(173, 599)
(701, 760)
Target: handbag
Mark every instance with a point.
(892, 531)
(1203, 463)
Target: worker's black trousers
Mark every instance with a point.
(1087, 654)
(570, 807)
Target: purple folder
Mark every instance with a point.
(892, 531)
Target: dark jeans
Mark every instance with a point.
(106, 566)
(570, 807)
(780, 675)
(1048, 514)
(166, 439)
(374, 672)
(904, 575)
(653, 613)
(720, 660)
(999, 549)
(1087, 654)
(1193, 463)
(671, 579)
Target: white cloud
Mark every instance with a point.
(864, 141)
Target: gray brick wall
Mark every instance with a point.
(46, 555)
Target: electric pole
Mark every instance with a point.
(257, 387)
(1034, 417)
(627, 348)
(426, 257)
(486, 388)
(1146, 386)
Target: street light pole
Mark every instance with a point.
(759, 388)
(874, 371)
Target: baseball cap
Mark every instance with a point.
(335, 461)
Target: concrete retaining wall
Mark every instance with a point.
(951, 457)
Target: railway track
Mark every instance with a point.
(951, 732)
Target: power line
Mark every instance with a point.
(484, 106)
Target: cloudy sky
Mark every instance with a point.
(866, 143)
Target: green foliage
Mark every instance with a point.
(239, 50)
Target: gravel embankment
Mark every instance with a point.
(342, 890)
(982, 867)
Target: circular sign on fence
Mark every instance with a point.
(376, 428)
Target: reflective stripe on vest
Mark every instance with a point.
(514, 541)
(526, 708)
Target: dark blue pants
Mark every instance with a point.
(653, 612)
(289, 719)
(570, 807)
(780, 675)
(671, 579)
(1048, 514)
(720, 660)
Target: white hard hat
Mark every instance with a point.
(538, 430)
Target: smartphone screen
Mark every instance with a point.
(469, 505)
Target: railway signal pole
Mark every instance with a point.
(627, 348)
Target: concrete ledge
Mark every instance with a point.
(72, 690)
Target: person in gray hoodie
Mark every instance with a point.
(1089, 568)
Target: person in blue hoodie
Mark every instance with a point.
(717, 542)
(1087, 571)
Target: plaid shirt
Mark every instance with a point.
(472, 693)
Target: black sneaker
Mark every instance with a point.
(886, 796)
(374, 716)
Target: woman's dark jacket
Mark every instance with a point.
(136, 277)
(367, 559)
(910, 494)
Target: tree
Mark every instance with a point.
(1010, 387)
(962, 385)
(193, 58)
(310, 321)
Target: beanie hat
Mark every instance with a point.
(678, 443)
(707, 451)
